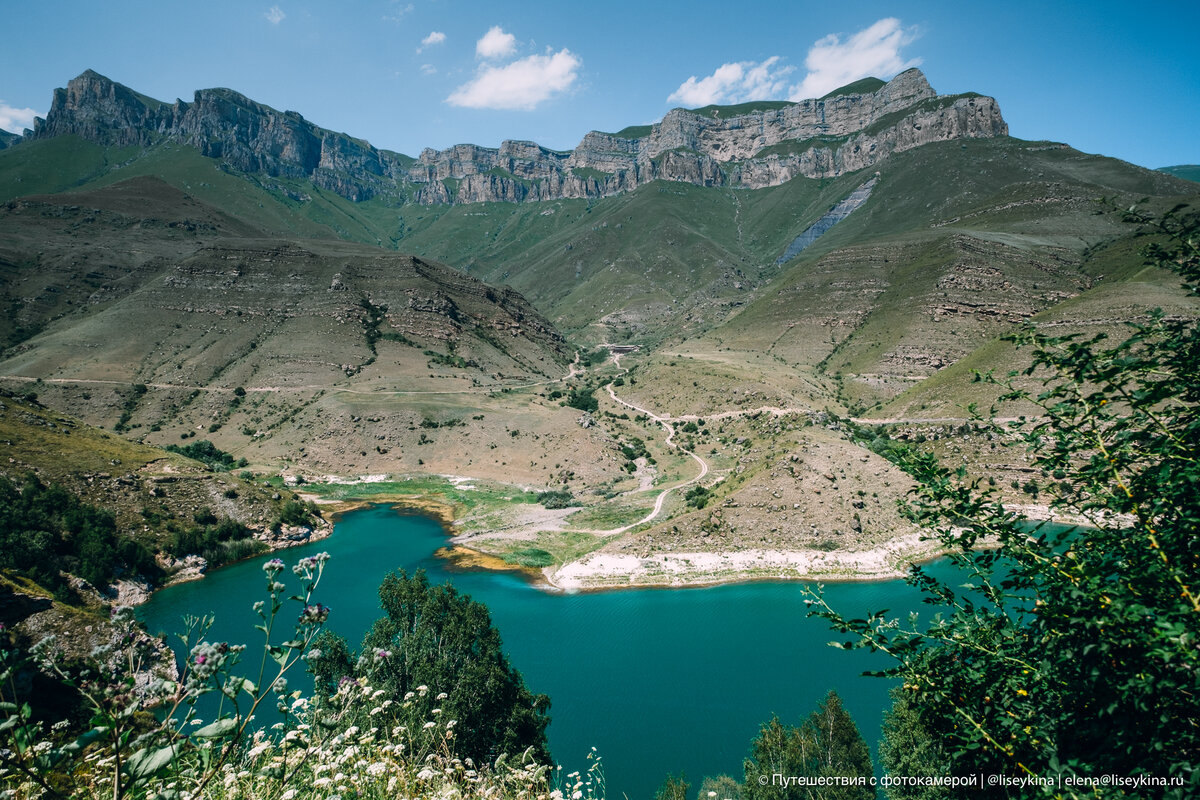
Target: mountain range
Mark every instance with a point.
(321, 307)
(753, 145)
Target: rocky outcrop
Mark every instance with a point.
(814, 138)
(754, 149)
(228, 126)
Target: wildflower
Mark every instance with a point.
(273, 566)
(315, 614)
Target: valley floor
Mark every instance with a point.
(491, 536)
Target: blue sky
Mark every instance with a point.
(1121, 79)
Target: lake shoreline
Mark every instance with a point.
(597, 654)
(600, 571)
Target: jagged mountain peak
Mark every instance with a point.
(749, 145)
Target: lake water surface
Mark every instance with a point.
(656, 680)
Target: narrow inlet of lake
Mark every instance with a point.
(658, 681)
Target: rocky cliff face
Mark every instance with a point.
(814, 138)
(223, 124)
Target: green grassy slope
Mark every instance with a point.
(1189, 172)
(278, 205)
(151, 492)
(958, 243)
(665, 259)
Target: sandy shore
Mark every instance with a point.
(612, 571)
(465, 558)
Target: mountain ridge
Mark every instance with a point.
(763, 147)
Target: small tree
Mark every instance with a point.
(1073, 654)
(908, 748)
(432, 638)
(673, 788)
(828, 744)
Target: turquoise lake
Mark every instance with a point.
(658, 681)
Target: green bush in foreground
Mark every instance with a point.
(827, 745)
(1069, 656)
(430, 635)
(359, 741)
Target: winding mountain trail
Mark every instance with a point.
(662, 496)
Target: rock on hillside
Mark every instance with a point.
(225, 125)
(754, 145)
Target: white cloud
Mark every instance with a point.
(737, 82)
(521, 85)
(15, 120)
(434, 38)
(496, 44)
(873, 51)
(275, 15)
(428, 69)
(399, 13)
(830, 63)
